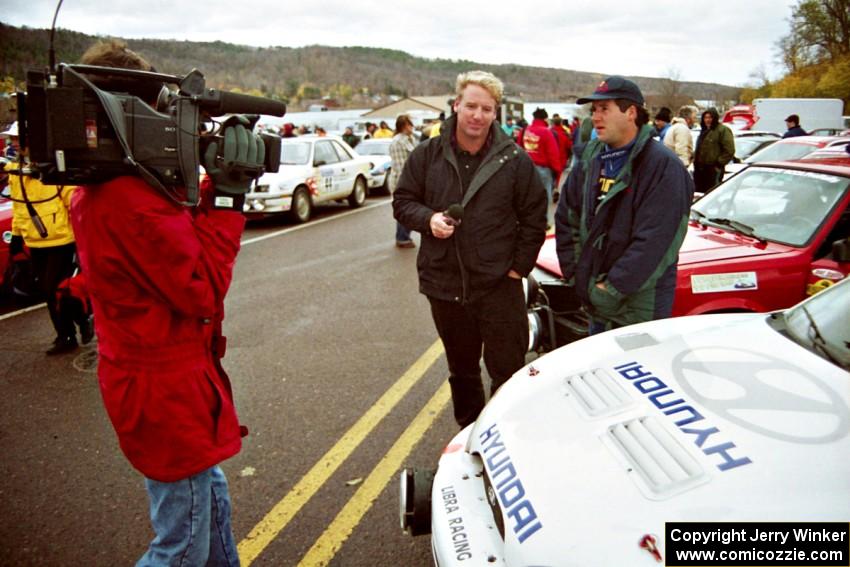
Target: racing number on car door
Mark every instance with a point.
(327, 161)
(348, 173)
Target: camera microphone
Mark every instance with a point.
(223, 102)
(454, 214)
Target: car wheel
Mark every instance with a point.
(302, 205)
(358, 194)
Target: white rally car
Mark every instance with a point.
(313, 170)
(585, 453)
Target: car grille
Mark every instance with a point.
(662, 463)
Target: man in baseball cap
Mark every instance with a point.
(615, 87)
(794, 128)
(623, 214)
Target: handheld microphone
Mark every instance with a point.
(454, 214)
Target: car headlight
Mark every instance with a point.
(379, 169)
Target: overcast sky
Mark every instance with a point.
(721, 41)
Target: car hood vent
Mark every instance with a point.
(597, 392)
(659, 463)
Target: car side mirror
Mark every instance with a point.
(319, 163)
(841, 250)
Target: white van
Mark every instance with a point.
(814, 113)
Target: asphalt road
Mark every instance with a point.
(336, 372)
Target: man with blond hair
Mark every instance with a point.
(478, 202)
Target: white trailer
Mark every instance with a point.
(813, 112)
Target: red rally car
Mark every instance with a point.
(763, 240)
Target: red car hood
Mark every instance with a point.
(702, 244)
(708, 244)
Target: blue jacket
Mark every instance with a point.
(630, 238)
(794, 132)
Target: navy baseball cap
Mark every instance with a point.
(613, 87)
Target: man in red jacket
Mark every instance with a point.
(565, 143)
(157, 273)
(542, 147)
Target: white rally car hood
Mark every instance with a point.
(595, 446)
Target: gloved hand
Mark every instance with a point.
(241, 158)
(16, 246)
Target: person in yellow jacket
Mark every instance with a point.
(40, 220)
(383, 132)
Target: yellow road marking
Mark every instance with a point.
(340, 529)
(276, 520)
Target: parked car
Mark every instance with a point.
(827, 132)
(313, 170)
(761, 241)
(584, 454)
(837, 151)
(739, 117)
(6, 232)
(16, 281)
(786, 149)
(748, 142)
(378, 152)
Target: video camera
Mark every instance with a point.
(79, 133)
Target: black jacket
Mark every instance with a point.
(504, 223)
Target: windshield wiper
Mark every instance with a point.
(818, 342)
(737, 226)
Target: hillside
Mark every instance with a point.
(354, 76)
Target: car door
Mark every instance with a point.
(328, 169)
(348, 170)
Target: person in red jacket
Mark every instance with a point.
(565, 142)
(157, 273)
(542, 147)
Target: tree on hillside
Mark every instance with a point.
(670, 92)
(820, 31)
(816, 52)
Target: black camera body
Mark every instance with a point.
(79, 133)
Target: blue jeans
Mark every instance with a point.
(191, 519)
(401, 233)
(548, 181)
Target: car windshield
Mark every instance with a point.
(781, 152)
(373, 149)
(820, 324)
(779, 205)
(744, 146)
(295, 153)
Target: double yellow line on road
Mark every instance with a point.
(282, 513)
